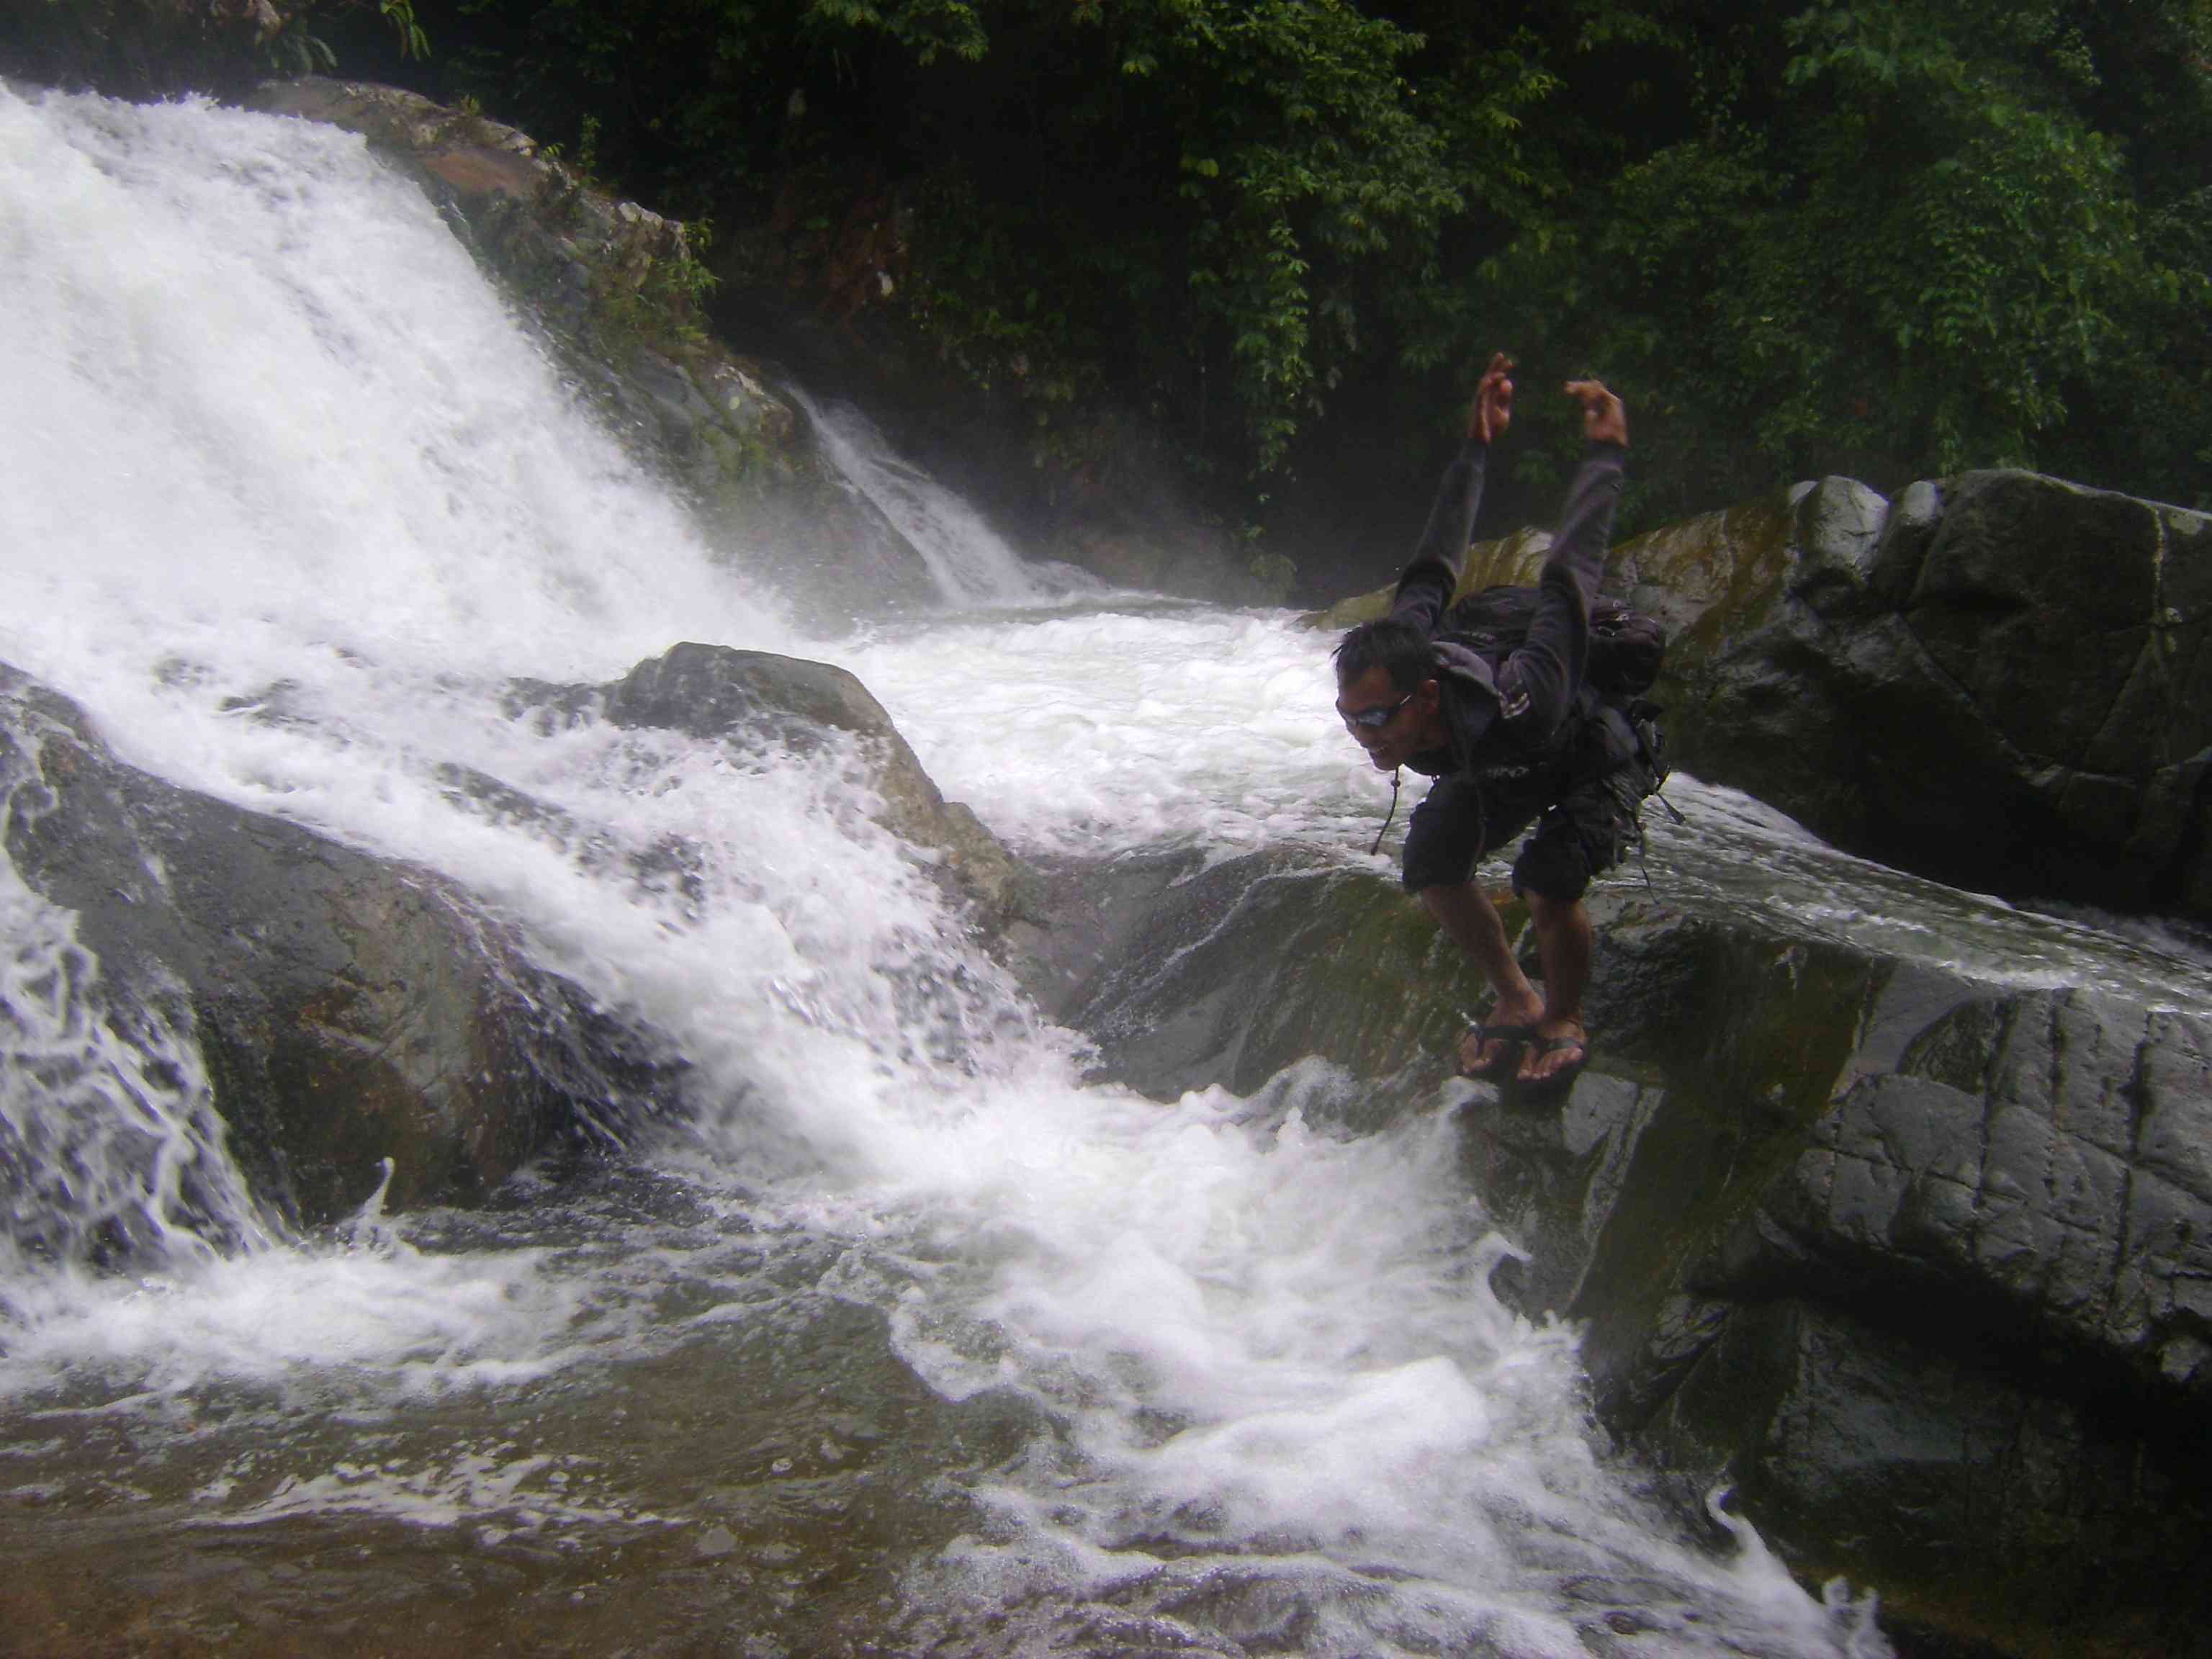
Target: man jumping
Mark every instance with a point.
(1512, 741)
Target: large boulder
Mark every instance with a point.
(322, 1011)
(2000, 680)
(756, 698)
(336, 1009)
(1913, 1261)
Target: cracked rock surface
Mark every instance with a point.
(2000, 681)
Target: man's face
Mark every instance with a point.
(1395, 740)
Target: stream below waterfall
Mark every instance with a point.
(916, 1337)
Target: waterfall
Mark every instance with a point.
(971, 564)
(291, 501)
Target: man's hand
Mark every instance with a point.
(1605, 420)
(1493, 401)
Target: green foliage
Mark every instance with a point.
(656, 301)
(1256, 180)
(294, 49)
(924, 27)
(400, 13)
(1918, 246)
(1884, 237)
(1997, 271)
(1302, 160)
(1025, 344)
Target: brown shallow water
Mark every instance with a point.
(759, 1487)
(735, 1461)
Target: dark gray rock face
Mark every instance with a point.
(1965, 1323)
(348, 1010)
(2001, 682)
(1919, 1266)
(2053, 1151)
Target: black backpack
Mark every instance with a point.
(1627, 647)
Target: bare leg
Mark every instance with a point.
(1563, 946)
(1466, 914)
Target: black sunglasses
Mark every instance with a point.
(1374, 720)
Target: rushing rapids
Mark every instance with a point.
(914, 1334)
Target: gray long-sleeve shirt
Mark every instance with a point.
(1518, 708)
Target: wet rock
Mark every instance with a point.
(1915, 1262)
(2005, 694)
(349, 1009)
(1237, 971)
(1998, 1516)
(761, 699)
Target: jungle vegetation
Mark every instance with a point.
(1889, 238)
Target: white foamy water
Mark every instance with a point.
(1114, 731)
(291, 501)
(407, 1323)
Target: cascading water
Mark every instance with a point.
(109, 1142)
(916, 1336)
(969, 563)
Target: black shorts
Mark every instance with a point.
(1585, 831)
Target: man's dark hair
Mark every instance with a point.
(1389, 643)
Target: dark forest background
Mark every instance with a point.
(1894, 239)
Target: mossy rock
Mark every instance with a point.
(618, 292)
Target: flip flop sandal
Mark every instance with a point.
(1561, 1080)
(1507, 1061)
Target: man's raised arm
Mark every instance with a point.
(1585, 530)
(1431, 575)
(1539, 682)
